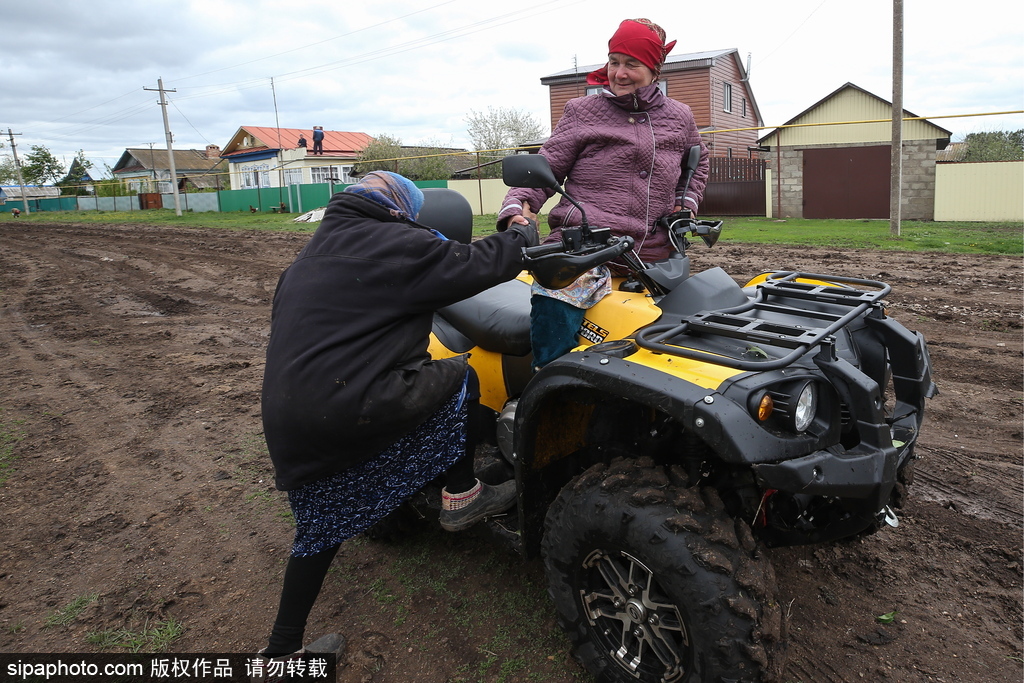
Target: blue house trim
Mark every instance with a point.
(252, 156)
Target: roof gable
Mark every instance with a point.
(136, 159)
(850, 103)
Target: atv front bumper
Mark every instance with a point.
(869, 470)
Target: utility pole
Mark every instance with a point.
(17, 167)
(896, 174)
(280, 147)
(170, 151)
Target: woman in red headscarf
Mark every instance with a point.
(620, 153)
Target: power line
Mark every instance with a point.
(319, 42)
(433, 39)
(795, 31)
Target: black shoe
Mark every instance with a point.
(491, 500)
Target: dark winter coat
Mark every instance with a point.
(621, 158)
(347, 371)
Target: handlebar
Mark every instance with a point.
(543, 250)
(558, 265)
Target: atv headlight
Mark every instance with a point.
(792, 407)
(805, 407)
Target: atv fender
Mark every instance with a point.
(548, 431)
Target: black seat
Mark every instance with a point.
(496, 319)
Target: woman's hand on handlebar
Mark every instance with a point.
(525, 217)
(528, 229)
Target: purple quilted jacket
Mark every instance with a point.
(621, 158)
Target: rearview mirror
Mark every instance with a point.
(527, 170)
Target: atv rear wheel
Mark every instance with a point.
(654, 582)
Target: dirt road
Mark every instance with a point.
(138, 483)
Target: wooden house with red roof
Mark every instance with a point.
(271, 157)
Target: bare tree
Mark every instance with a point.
(502, 128)
(499, 130)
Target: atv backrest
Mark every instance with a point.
(448, 212)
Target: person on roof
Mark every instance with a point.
(318, 140)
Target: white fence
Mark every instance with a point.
(988, 191)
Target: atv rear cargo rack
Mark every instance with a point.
(835, 307)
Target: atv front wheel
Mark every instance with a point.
(654, 582)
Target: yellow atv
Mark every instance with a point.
(696, 420)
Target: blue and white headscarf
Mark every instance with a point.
(392, 191)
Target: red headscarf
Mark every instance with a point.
(641, 39)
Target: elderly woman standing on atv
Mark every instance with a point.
(621, 154)
(357, 416)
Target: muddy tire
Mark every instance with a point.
(654, 582)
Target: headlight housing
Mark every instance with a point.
(805, 408)
(792, 407)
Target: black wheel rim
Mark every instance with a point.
(634, 622)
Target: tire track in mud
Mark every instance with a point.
(145, 345)
(981, 488)
(124, 353)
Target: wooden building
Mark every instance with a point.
(714, 84)
(146, 170)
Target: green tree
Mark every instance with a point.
(501, 129)
(387, 153)
(430, 161)
(1002, 145)
(379, 155)
(41, 167)
(74, 182)
(8, 172)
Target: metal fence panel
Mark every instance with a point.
(983, 191)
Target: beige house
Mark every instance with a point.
(834, 160)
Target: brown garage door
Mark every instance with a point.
(847, 182)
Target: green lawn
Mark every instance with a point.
(978, 238)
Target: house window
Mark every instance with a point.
(744, 107)
(323, 174)
(594, 89)
(255, 178)
(727, 97)
(320, 174)
(293, 176)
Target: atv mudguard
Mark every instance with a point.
(550, 430)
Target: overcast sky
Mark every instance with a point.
(72, 73)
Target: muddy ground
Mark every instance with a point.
(138, 489)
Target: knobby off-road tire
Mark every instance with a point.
(653, 581)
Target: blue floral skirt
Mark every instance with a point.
(348, 503)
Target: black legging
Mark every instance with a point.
(304, 576)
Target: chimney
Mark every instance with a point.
(212, 151)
